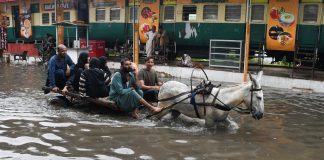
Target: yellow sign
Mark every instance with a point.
(149, 16)
(169, 2)
(282, 23)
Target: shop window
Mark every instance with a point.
(169, 13)
(257, 14)
(53, 17)
(45, 18)
(210, 12)
(114, 14)
(131, 14)
(66, 16)
(100, 14)
(310, 13)
(189, 13)
(233, 13)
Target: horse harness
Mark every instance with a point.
(205, 88)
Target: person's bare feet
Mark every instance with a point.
(135, 113)
(156, 109)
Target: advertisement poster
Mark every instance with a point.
(282, 24)
(25, 26)
(3, 38)
(149, 16)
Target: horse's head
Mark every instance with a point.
(255, 97)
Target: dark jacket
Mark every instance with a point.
(92, 83)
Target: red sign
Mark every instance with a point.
(2, 1)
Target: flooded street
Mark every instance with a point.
(292, 128)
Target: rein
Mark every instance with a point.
(201, 89)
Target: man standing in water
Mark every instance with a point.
(59, 69)
(150, 36)
(149, 81)
(126, 93)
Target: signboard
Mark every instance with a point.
(25, 26)
(104, 3)
(169, 2)
(282, 24)
(3, 38)
(51, 6)
(149, 16)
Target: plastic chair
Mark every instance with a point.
(23, 56)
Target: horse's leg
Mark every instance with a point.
(190, 120)
(209, 118)
(230, 123)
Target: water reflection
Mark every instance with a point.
(31, 129)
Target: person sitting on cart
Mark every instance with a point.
(126, 93)
(59, 69)
(149, 81)
(92, 81)
(104, 67)
(73, 81)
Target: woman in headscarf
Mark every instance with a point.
(92, 81)
(73, 81)
(103, 65)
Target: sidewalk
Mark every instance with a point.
(272, 77)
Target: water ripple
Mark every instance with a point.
(50, 124)
(51, 136)
(22, 140)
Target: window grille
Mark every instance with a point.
(169, 13)
(189, 13)
(310, 13)
(233, 13)
(114, 14)
(45, 18)
(257, 14)
(210, 12)
(53, 17)
(66, 16)
(100, 14)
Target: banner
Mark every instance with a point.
(25, 26)
(282, 24)
(149, 16)
(3, 38)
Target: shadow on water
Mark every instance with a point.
(292, 128)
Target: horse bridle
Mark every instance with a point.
(247, 110)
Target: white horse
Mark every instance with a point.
(248, 94)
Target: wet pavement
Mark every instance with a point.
(292, 128)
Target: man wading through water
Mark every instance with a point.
(126, 93)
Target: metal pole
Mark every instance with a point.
(56, 36)
(247, 39)
(133, 30)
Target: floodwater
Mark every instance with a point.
(292, 128)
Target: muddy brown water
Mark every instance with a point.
(292, 128)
